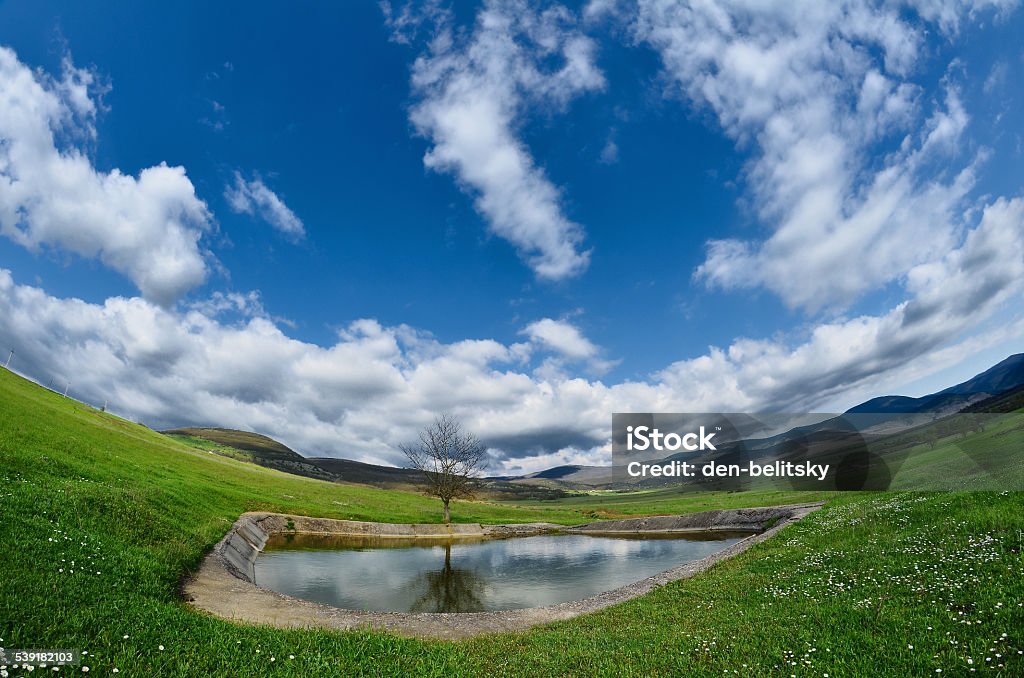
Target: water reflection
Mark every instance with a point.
(405, 575)
(449, 589)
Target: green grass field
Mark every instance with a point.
(100, 519)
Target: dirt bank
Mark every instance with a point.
(223, 586)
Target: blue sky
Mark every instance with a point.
(530, 214)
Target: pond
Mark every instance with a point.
(421, 575)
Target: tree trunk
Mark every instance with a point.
(447, 513)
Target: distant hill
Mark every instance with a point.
(368, 474)
(1005, 376)
(575, 476)
(998, 378)
(557, 472)
(265, 446)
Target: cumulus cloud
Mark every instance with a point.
(816, 91)
(472, 90)
(254, 198)
(950, 296)
(568, 344)
(147, 227)
(358, 398)
(375, 386)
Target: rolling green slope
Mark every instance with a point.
(100, 519)
(267, 447)
(251, 447)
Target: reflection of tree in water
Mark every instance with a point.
(448, 589)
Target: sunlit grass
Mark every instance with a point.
(100, 519)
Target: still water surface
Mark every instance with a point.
(404, 575)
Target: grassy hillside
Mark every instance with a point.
(99, 519)
(268, 448)
(251, 447)
(989, 457)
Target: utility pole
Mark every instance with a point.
(7, 365)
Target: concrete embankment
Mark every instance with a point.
(739, 520)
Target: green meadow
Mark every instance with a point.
(100, 519)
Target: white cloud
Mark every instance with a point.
(814, 89)
(563, 337)
(569, 345)
(950, 297)
(147, 228)
(596, 10)
(254, 198)
(472, 91)
(569, 456)
(359, 398)
(375, 386)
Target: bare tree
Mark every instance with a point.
(449, 458)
